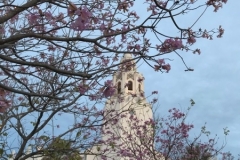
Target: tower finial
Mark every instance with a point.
(127, 56)
(128, 63)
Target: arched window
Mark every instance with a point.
(119, 88)
(139, 87)
(130, 85)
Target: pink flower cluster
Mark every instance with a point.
(4, 103)
(136, 47)
(191, 40)
(83, 20)
(125, 5)
(162, 65)
(216, 4)
(33, 18)
(127, 66)
(109, 89)
(154, 8)
(170, 45)
(165, 138)
(83, 88)
(176, 113)
(140, 79)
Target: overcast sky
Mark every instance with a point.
(214, 84)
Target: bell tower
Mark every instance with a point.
(127, 101)
(129, 94)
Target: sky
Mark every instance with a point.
(214, 83)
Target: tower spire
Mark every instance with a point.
(127, 79)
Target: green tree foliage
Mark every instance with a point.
(61, 149)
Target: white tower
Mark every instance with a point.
(127, 101)
(129, 97)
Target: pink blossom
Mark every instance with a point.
(42, 55)
(130, 47)
(33, 18)
(83, 20)
(102, 27)
(171, 45)
(51, 59)
(109, 89)
(166, 67)
(22, 69)
(4, 103)
(78, 25)
(48, 15)
(3, 106)
(105, 61)
(137, 47)
(191, 40)
(51, 48)
(157, 67)
(85, 13)
(100, 5)
(161, 61)
(83, 88)
(60, 17)
(108, 92)
(97, 51)
(20, 98)
(140, 79)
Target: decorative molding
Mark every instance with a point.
(119, 76)
(130, 75)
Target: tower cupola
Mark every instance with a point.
(127, 80)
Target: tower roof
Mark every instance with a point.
(127, 58)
